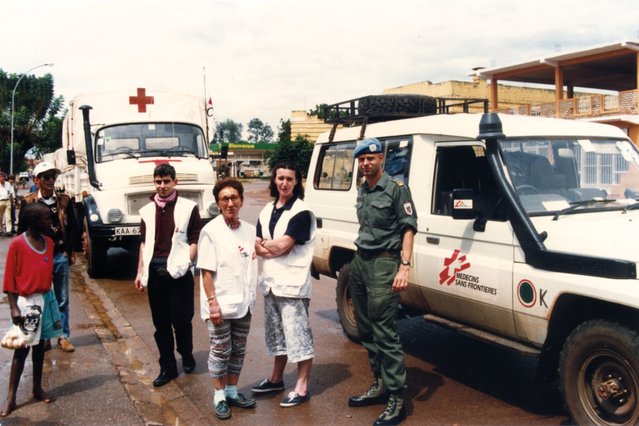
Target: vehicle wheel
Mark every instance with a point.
(345, 308)
(95, 253)
(599, 374)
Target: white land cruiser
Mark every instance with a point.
(528, 231)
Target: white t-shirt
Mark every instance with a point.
(230, 255)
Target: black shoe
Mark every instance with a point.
(375, 395)
(241, 401)
(222, 410)
(393, 414)
(268, 386)
(164, 378)
(188, 365)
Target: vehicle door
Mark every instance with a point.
(466, 274)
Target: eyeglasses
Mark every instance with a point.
(233, 198)
(47, 176)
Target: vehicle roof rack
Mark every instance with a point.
(377, 108)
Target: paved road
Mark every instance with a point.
(451, 379)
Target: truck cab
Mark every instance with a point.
(111, 144)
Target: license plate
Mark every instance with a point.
(127, 230)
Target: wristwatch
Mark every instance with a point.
(405, 262)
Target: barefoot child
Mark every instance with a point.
(27, 283)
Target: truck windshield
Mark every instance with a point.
(572, 175)
(149, 140)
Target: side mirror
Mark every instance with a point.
(465, 206)
(70, 157)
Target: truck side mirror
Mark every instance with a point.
(71, 157)
(465, 206)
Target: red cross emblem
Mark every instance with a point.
(141, 100)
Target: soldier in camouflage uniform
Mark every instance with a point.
(378, 273)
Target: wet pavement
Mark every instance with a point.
(108, 380)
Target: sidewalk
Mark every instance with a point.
(105, 380)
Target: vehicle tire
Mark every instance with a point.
(96, 254)
(345, 309)
(599, 374)
(393, 104)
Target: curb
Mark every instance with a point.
(130, 356)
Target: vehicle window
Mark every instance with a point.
(550, 175)
(397, 158)
(149, 139)
(335, 169)
(465, 167)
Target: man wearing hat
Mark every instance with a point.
(62, 232)
(379, 271)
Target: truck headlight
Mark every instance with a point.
(213, 210)
(115, 215)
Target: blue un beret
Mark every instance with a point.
(368, 146)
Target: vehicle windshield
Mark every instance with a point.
(149, 140)
(572, 175)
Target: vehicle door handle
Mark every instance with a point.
(432, 240)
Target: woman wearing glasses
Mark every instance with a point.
(227, 293)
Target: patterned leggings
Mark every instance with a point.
(228, 346)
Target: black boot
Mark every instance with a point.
(375, 395)
(394, 413)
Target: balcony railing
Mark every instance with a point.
(626, 102)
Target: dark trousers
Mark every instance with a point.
(171, 302)
(376, 307)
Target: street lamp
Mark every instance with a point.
(13, 96)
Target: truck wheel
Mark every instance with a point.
(345, 309)
(95, 253)
(599, 374)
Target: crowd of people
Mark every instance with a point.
(226, 251)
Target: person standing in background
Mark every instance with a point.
(63, 233)
(6, 201)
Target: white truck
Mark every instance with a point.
(111, 143)
(528, 231)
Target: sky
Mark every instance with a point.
(264, 59)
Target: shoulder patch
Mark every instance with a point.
(398, 182)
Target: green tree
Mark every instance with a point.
(298, 150)
(228, 131)
(37, 122)
(284, 131)
(259, 131)
(322, 112)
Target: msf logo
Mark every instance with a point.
(453, 264)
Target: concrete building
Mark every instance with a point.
(308, 126)
(612, 70)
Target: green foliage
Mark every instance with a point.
(299, 151)
(228, 131)
(36, 120)
(321, 112)
(259, 131)
(284, 131)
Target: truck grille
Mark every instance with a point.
(146, 179)
(136, 201)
